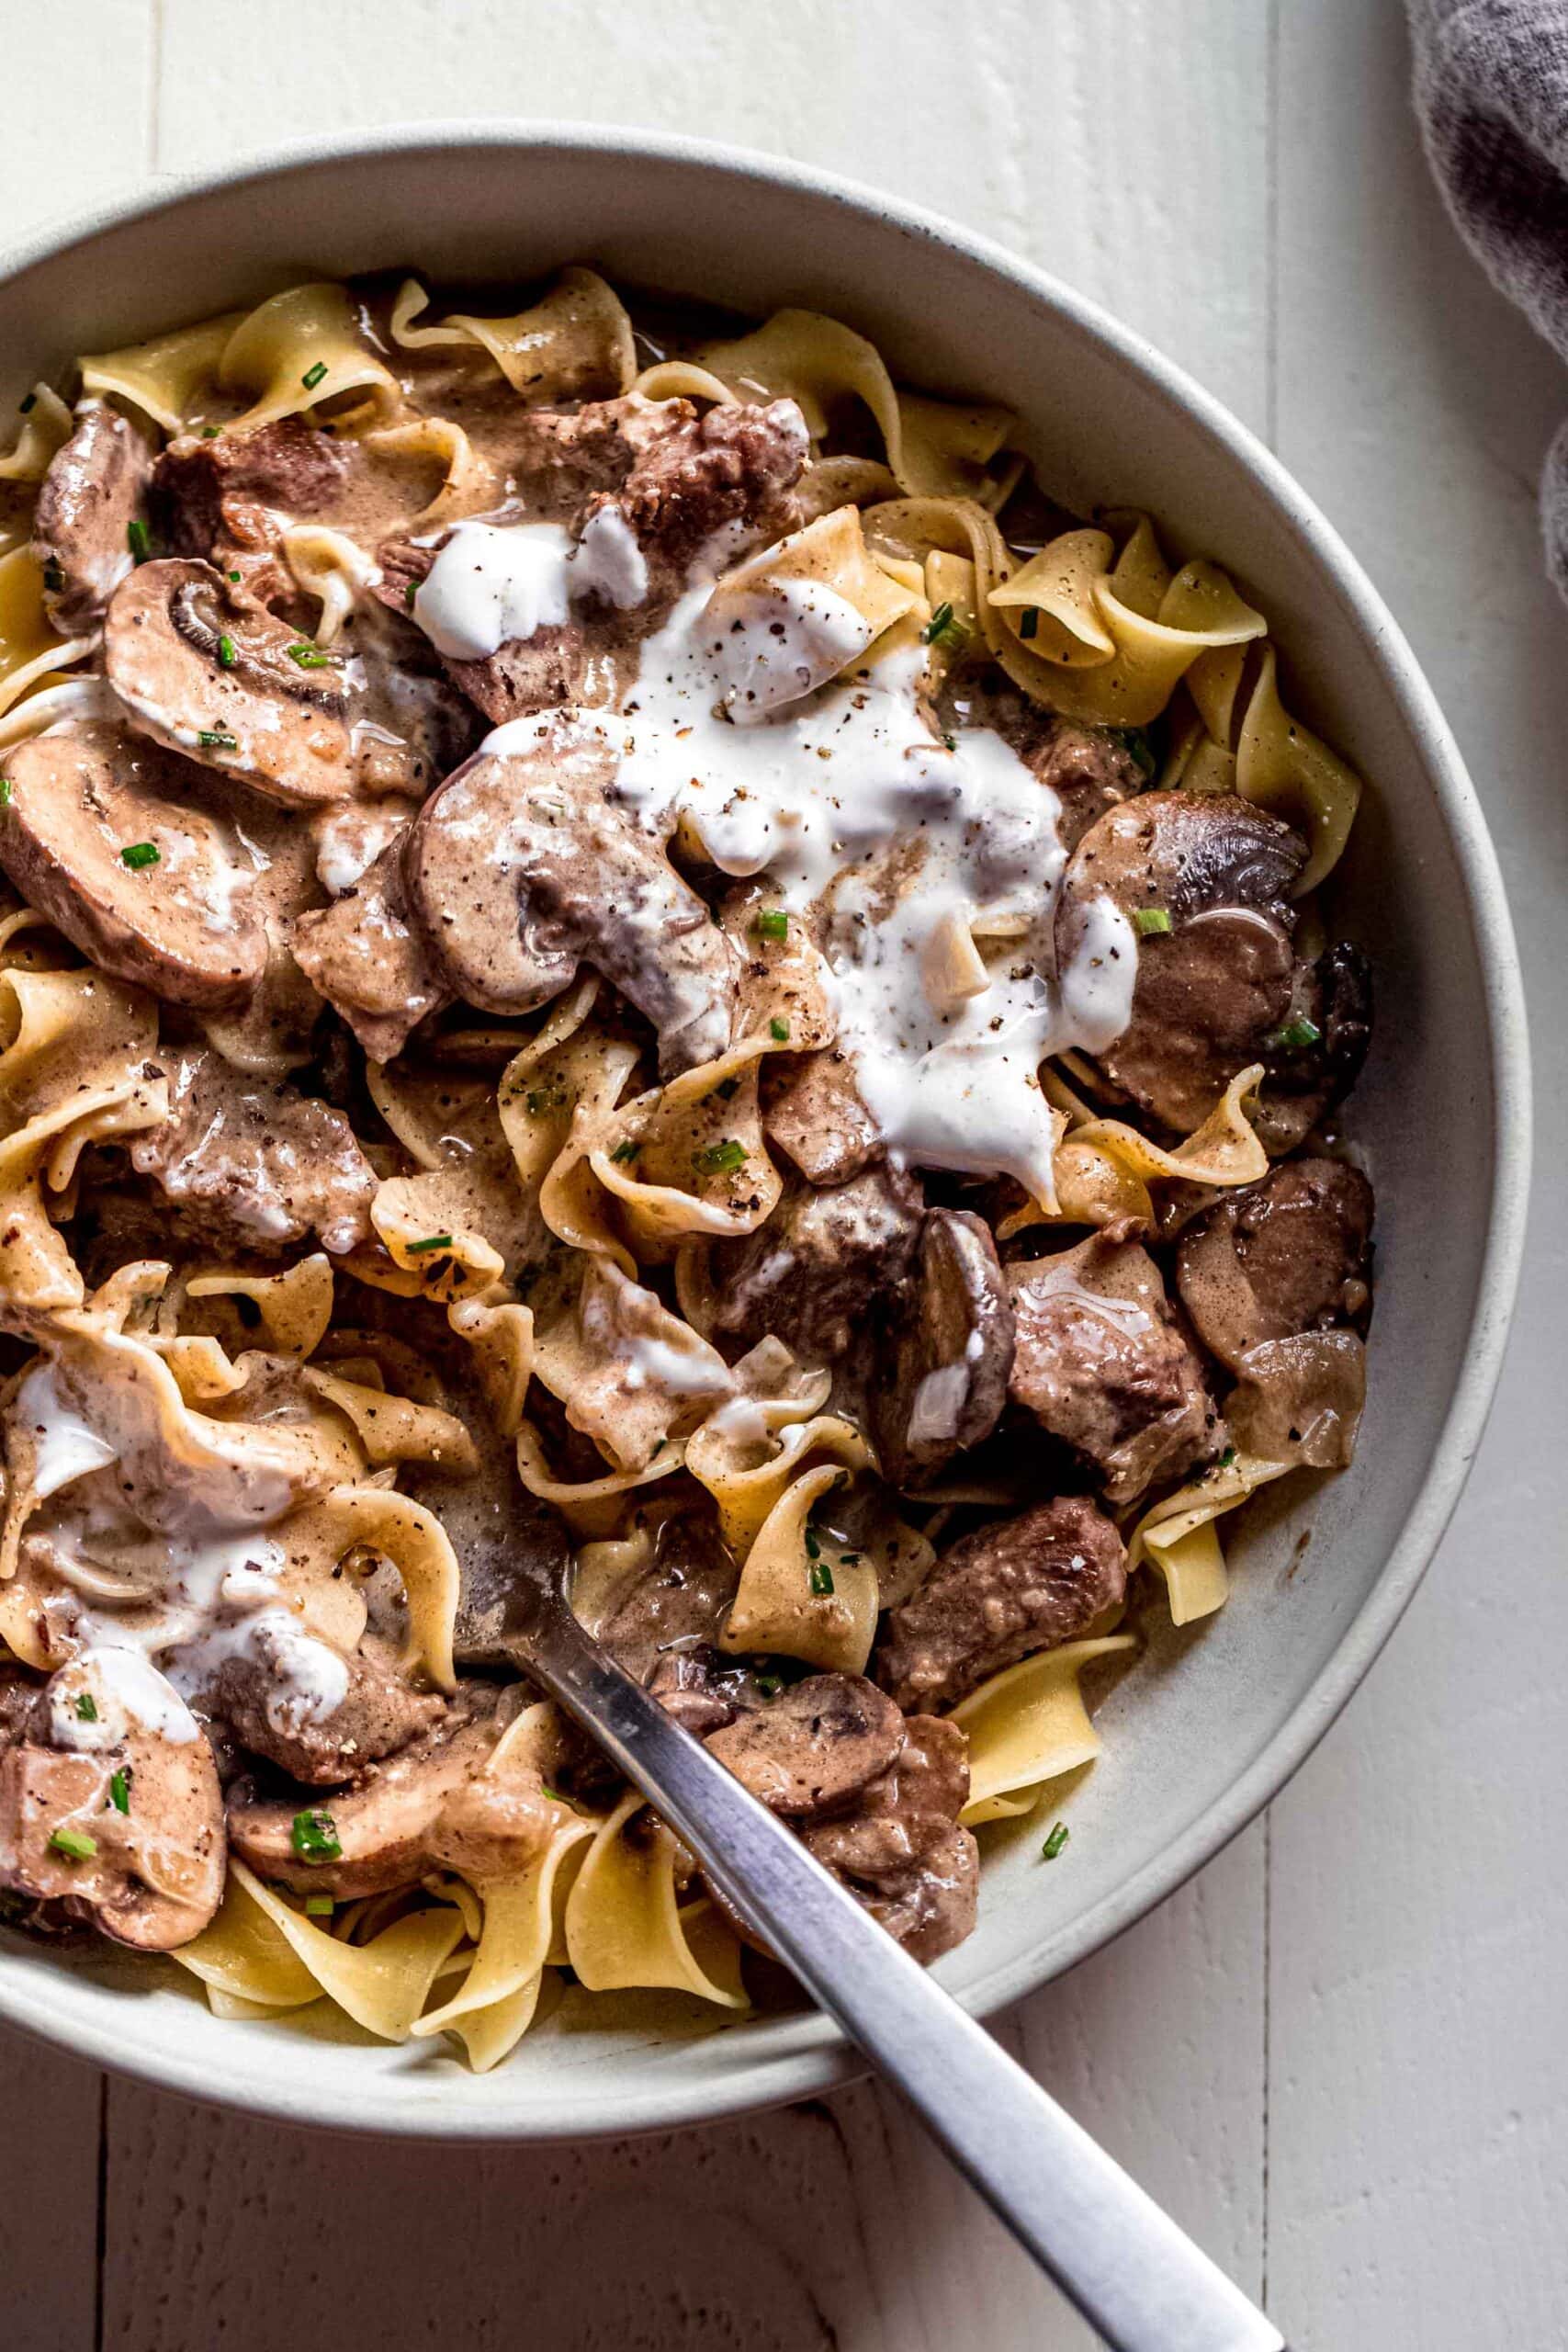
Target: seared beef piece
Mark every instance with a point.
(940, 1379)
(1090, 769)
(404, 694)
(676, 480)
(901, 1851)
(210, 498)
(1018, 1585)
(664, 1626)
(150, 1876)
(94, 490)
(816, 1273)
(812, 1110)
(369, 961)
(432, 1806)
(1288, 1255)
(204, 670)
(815, 1749)
(1103, 1365)
(1331, 1014)
(256, 1158)
(523, 864)
(183, 925)
(378, 1714)
(1218, 983)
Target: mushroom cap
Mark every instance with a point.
(211, 675)
(94, 489)
(182, 925)
(944, 1380)
(1286, 1256)
(817, 1746)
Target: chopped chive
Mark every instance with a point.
(209, 433)
(540, 1098)
(235, 577)
(821, 1578)
(7, 792)
(53, 577)
(1295, 1033)
(1054, 1843)
(769, 1685)
(626, 1153)
(309, 656)
(778, 1030)
(74, 1844)
(720, 1157)
(87, 1708)
(1030, 624)
(139, 539)
(319, 1907)
(1136, 741)
(943, 628)
(313, 1836)
(120, 1789)
(217, 739)
(1227, 1458)
(136, 855)
(25, 408)
(952, 743)
(813, 1549)
(554, 1795)
(431, 1242)
(228, 653)
(410, 593)
(313, 376)
(772, 923)
(1150, 921)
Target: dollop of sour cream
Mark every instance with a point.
(493, 581)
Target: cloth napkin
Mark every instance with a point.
(1491, 93)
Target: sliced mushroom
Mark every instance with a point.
(127, 1836)
(1103, 1365)
(1288, 1255)
(1210, 878)
(371, 965)
(432, 1806)
(211, 675)
(524, 864)
(1022, 1585)
(182, 923)
(812, 1109)
(944, 1379)
(817, 1746)
(95, 491)
(812, 1275)
(902, 1850)
(378, 1715)
(256, 1160)
(1299, 1400)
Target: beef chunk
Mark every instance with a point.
(816, 1747)
(942, 1378)
(213, 498)
(1102, 1363)
(902, 1851)
(1288, 1255)
(814, 1274)
(94, 490)
(369, 961)
(1018, 1585)
(379, 1715)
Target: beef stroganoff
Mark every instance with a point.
(623, 946)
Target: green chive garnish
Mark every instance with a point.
(944, 628)
(410, 593)
(769, 1685)
(431, 1242)
(87, 1708)
(228, 653)
(218, 739)
(821, 1578)
(1030, 624)
(139, 539)
(319, 1907)
(624, 1152)
(1150, 921)
(74, 1844)
(234, 577)
(1136, 740)
(209, 433)
(1295, 1033)
(1054, 1843)
(7, 792)
(313, 1836)
(720, 1156)
(1227, 1458)
(772, 923)
(120, 1789)
(779, 1030)
(136, 855)
(313, 376)
(309, 656)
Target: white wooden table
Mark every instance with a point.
(1340, 2055)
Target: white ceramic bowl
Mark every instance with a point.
(1211, 1723)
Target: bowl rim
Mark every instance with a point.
(822, 2058)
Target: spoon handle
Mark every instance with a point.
(1130, 2270)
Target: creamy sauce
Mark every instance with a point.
(494, 582)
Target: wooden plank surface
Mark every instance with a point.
(1335, 2054)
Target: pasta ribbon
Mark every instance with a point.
(421, 1550)
(29, 647)
(329, 567)
(630, 1373)
(575, 343)
(459, 1225)
(469, 482)
(1283, 768)
(935, 449)
(295, 1306)
(166, 376)
(829, 558)
(47, 426)
(396, 1428)
(1223, 1151)
(592, 1508)
(800, 1591)
(1178, 1535)
(298, 351)
(1028, 1725)
(494, 2005)
(625, 1928)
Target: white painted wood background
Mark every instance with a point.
(1340, 2055)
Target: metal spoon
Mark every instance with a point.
(1130, 2270)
